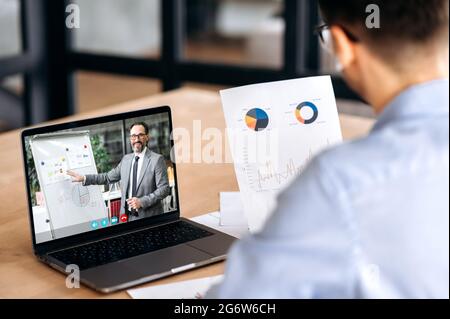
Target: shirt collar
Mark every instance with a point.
(419, 101)
(141, 154)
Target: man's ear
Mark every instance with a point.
(344, 48)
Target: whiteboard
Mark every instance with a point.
(71, 206)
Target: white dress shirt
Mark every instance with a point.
(140, 163)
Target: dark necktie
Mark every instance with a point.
(135, 171)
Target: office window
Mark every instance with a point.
(239, 32)
(119, 27)
(11, 103)
(10, 31)
(13, 84)
(96, 90)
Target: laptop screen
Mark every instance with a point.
(86, 178)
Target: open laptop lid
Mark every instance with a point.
(64, 213)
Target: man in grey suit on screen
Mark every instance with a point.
(142, 175)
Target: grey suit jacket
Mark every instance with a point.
(152, 184)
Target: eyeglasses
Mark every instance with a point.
(137, 136)
(323, 31)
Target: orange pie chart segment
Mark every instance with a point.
(251, 122)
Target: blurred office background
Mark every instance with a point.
(127, 49)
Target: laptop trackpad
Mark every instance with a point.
(164, 260)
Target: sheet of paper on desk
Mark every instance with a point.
(231, 209)
(274, 129)
(189, 289)
(213, 220)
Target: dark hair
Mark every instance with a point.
(401, 21)
(141, 124)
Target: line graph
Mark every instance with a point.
(268, 177)
(270, 174)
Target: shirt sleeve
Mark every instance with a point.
(110, 177)
(304, 249)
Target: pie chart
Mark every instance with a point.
(257, 119)
(306, 105)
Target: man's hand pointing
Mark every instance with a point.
(76, 178)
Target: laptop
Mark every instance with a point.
(87, 226)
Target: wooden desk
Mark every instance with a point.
(22, 276)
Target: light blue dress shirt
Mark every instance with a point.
(366, 219)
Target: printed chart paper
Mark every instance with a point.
(274, 130)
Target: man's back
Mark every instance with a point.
(366, 219)
(397, 184)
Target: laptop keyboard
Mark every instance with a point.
(130, 245)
